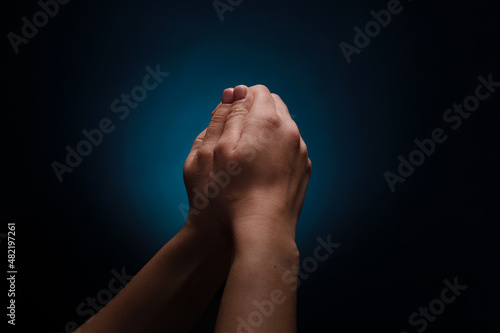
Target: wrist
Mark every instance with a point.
(263, 228)
(262, 239)
(208, 233)
(281, 255)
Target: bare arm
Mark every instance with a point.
(256, 298)
(261, 206)
(172, 290)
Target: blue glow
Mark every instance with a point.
(143, 158)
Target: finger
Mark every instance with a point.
(199, 139)
(263, 119)
(281, 107)
(263, 105)
(227, 97)
(242, 104)
(216, 126)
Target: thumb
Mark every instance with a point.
(243, 101)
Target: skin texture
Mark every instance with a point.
(245, 233)
(261, 207)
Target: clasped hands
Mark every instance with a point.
(247, 172)
(246, 177)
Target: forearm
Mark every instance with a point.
(255, 293)
(170, 292)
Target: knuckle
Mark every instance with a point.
(238, 109)
(279, 104)
(277, 99)
(220, 148)
(261, 88)
(244, 153)
(218, 117)
(272, 121)
(223, 150)
(303, 148)
(293, 135)
(309, 166)
(204, 154)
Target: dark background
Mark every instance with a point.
(121, 204)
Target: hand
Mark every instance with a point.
(262, 143)
(198, 176)
(261, 148)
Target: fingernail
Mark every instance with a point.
(227, 96)
(240, 92)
